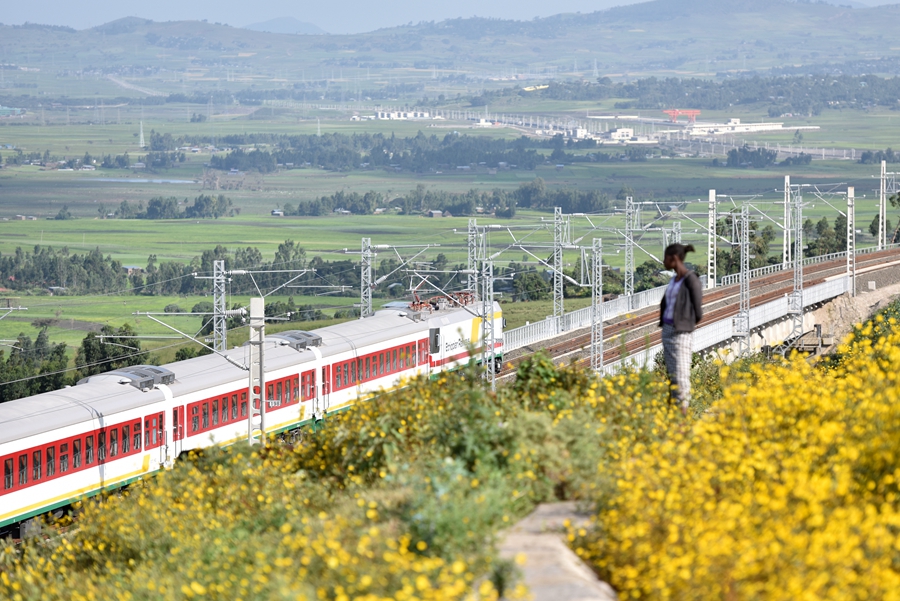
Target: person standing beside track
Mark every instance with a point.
(680, 310)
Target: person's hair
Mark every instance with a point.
(679, 250)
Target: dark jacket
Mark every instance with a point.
(688, 304)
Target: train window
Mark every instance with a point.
(7, 474)
(278, 392)
(155, 431)
(205, 416)
(137, 436)
(126, 439)
(23, 470)
(353, 372)
(224, 410)
(36, 466)
(88, 451)
(215, 412)
(63, 458)
(243, 404)
(287, 392)
(101, 446)
(114, 442)
(296, 389)
(195, 418)
(51, 461)
(234, 406)
(381, 364)
(367, 368)
(337, 377)
(76, 453)
(396, 365)
(270, 392)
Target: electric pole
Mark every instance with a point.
(597, 305)
(256, 419)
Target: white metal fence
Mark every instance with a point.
(552, 327)
(734, 278)
(715, 333)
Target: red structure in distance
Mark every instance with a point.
(691, 114)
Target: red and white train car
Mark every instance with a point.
(114, 428)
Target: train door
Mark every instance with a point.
(308, 394)
(436, 349)
(177, 431)
(325, 402)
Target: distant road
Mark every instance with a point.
(131, 86)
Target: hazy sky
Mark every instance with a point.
(333, 17)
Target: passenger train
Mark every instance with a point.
(114, 428)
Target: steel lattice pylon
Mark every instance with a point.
(367, 257)
(472, 262)
(741, 239)
(676, 232)
(220, 332)
(851, 240)
(795, 298)
(597, 305)
(486, 272)
(630, 220)
(559, 230)
(888, 188)
(711, 245)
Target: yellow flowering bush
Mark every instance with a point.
(786, 489)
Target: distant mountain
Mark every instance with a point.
(288, 25)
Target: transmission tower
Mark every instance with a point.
(711, 242)
(472, 245)
(630, 212)
(559, 231)
(795, 298)
(851, 240)
(676, 232)
(220, 333)
(889, 187)
(486, 272)
(741, 240)
(367, 257)
(141, 141)
(597, 305)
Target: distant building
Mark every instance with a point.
(401, 115)
(138, 165)
(6, 111)
(277, 213)
(621, 133)
(434, 213)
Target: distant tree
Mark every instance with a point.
(64, 214)
(95, 356)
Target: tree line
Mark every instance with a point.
(419, 154)
(204, 206)
(797, 94)
(501, 203)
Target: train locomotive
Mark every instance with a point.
(114, 428)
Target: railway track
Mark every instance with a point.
(718, 304)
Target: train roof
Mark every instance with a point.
(34, 415)
(102, 396)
